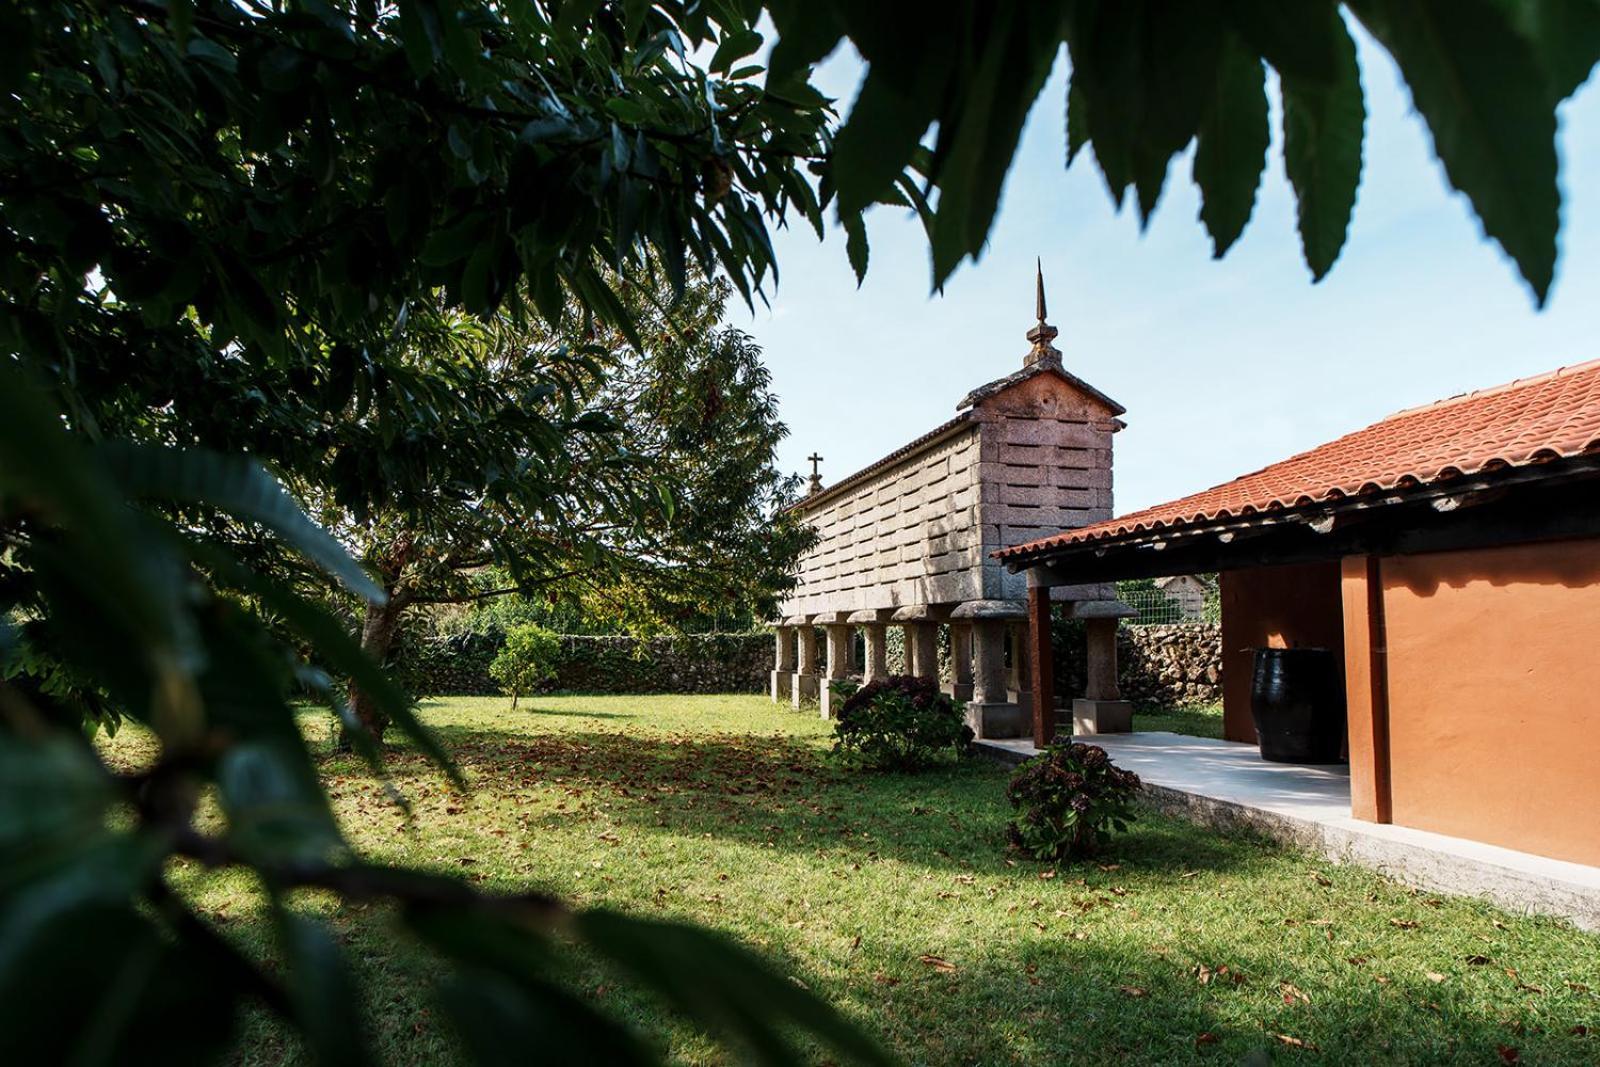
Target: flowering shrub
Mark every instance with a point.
(901, 723)
(1068, 799)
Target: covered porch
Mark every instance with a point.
(1226, 783)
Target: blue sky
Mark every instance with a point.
(1224, 366)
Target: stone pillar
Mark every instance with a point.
(782, 663)
(805, 674)
(838, 667)
(960, 685)
(990, 712)
(988, 662)
(1042, 657)
(1019, 684)
(876, 669)
(1101, 709)
(922, 650)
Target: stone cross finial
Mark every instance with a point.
(816, 476)
(1042, 334)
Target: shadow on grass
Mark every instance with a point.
(530, 707)
(781, 792)
(1034, 999)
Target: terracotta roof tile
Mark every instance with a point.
(1523, 422)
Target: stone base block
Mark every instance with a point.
(1101, 716)
(802, 689)
(999, 720)
(782, 686)
(828, 701)
(1022, 698)
(961, 691)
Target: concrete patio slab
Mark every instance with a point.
(1223, 783)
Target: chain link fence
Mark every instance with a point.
(1184, 599)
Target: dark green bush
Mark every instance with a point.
(901, 723)
(1069, 798)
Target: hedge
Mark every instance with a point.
(458, 664)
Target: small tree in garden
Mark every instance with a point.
(1069, 798)
(527, 658)
(899, 724)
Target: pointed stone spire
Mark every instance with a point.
(1042, 334)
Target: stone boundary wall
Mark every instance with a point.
(694, 663)
(1170, 665)
(1180, 664)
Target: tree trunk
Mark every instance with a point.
(379, 624)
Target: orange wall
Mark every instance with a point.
(1292, 605)
(1493, 668)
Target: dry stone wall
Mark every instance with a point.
(695, 663)
(1170, 665)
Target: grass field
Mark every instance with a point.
(895, 898)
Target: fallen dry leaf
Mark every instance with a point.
(1508, 1054)
(883, 979)
(1205, 1037)
(1405, 924)
(937, 963)
(1579, 1031)
(1434, 976)
(1132, 990)
(1476, 960)
(1292, 993)
(1295, 1042)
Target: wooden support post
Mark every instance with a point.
(1366, 688)
(1042, 659)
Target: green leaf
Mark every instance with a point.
(855, 244)
(239, 486)
(128, 578)
(180, 20)
(455, 242)
(335, 646)
(1300, 39)
(323, 992)
(277, 811)
(142, 992)
(807, 31)
(52, 793)
(1077, 121)
(501, 1021)
(723, 987)
(1490, 109)
(1322, 132)
(1232, 147)
(420, 35)
(885, 124)
(1565, 36)
(734, 47)
(1003, 82)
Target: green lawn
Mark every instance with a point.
(1199, 721)
(895, 897)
